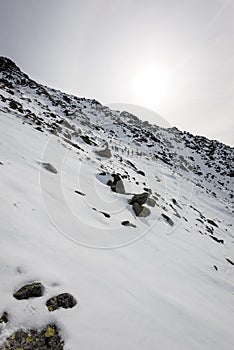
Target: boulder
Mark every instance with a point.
(105, 153)
(151, 202)
(139, 198)
(4, 318)
(32, 290)
(140, 210)
(64, 300)
(117, 184)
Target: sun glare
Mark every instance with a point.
(151, 84)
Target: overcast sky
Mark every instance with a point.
(175, 57)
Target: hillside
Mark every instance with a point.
(134, 221)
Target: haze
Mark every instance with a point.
(175, 57)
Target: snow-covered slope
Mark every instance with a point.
(163, 280)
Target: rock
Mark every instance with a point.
(148, 190)
(32, 290)
(128, 223)
(117, 184)
(139, 198)
(4, 318)
(64, 300)
(230, 261)
(151, 202)
(49, 167)
(87, 140)
(80, 193)
(140, 172)
(47, 338)
(105, 214)
(106, 153)
(168, 220)
(211, 222)
(217, 239)
(140, 210)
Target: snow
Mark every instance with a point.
(150, 287)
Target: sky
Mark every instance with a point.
(175, 57)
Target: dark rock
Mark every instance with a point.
(211, 222)
(64, 300)
(140, 210)
(16, 105)
(105, 153)
(87, 140)
(140, 172)
(128, 223)
(49, 167)
(80, 193)
(105, 214)
(174, 201)
(217, 239)
(139, 198)
(32, 290)
(47, 338)
(4, 318)
(230, 262)
(215, 267)
(109, 183)
(151, 202)
(39, 129)
(148, 190)
(168, 220)
(117, 184)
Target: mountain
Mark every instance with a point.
(115, 233)
(142, 113)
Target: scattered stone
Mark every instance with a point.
(140, 172)
(80, 193)
(4, 318)
(199, 220)
(211, 222)
(105, 153)
(168, 220)
(1, 163)
(128, 223)
(140, 210)
(64, 300)
(174, 201)
(87, 140)
(148, 190)
(49, 167)
(38, 128)
(105, 214)
(230, 262)
(47, 338)
(117, 184)
(139, 198)
(217, 239)
(151, 202)
(32, 290)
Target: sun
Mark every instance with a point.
(151, 84)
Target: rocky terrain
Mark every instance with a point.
(127, 224)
